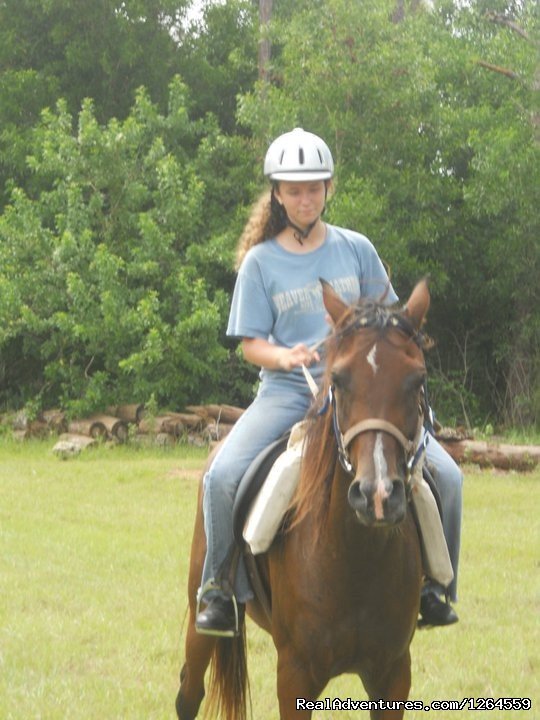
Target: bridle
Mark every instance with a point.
(413, 448)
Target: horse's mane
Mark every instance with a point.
(320, 456)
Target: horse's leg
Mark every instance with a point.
(199, 649)
(295, 686)
(391, 684)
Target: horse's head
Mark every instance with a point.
(376, 375)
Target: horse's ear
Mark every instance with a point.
(418, 303)
(334, 305)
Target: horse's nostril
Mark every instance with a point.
(397, 502)
(357, 499)
(398, 491)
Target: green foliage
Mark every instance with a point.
(218, 58)
(437, 162)
(102, 293)
(102, 50)
(121, 212)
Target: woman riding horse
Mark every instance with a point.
(277, 313)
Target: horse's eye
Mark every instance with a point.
(340, 378)
(414, 382)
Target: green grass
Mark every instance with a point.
(93, 568)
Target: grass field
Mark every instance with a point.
(93, 568)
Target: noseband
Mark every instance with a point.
(414, 448)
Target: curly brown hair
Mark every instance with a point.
(267, 219)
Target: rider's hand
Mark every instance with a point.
(289, 358)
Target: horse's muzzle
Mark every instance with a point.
(376, 505)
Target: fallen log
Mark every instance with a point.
(496, 455)
(55, 419)
(19, 421)
(197, 440)
(88, 426)
(160, 439)
(131, 413)
(452, 434)
(161, 424)
(35, 429)
(216, 430)
(116, 428)
(221, 413)
(100, 427)
(48, 422)
(191, 421)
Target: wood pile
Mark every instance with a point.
(198, 425)
(204, 425)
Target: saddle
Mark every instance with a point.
(252, 482)
(248, 491)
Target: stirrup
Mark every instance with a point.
(210, 585)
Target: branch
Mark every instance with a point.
(503, 20)
(498, 69)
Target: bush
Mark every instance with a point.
(106, 292)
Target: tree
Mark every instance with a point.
(117, 235)
(102, 49)
(437, 162)
(102, 293)
(217, 58)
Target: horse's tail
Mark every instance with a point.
(228, 686)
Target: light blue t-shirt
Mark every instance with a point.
(278, 295)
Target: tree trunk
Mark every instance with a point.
(501, 456)
(265, 15)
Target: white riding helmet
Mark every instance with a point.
(298, 156)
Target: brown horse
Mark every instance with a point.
(345, 577)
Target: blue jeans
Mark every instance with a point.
(272, 413)
(449, 481)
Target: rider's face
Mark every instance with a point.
(303, 201)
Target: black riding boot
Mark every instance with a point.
(436, 612)
(222, 617)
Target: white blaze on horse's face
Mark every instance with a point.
(381, 475)
(371, 358)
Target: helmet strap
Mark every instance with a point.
(299, 234)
